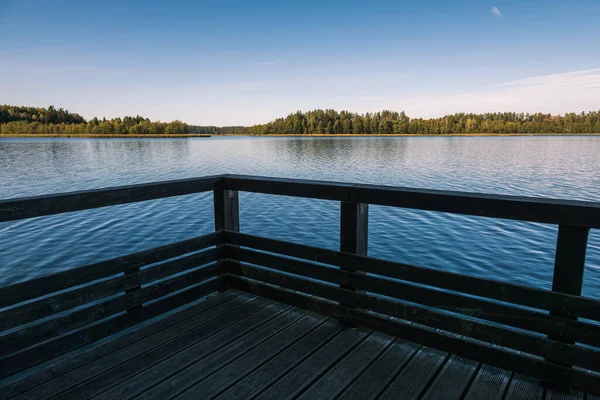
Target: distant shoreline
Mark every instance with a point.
(409, 134)
(109, 136)
(192, 135)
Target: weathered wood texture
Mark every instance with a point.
(474, 350)
(559, 212)
(47, 306)
(14, 209)
(505, 292)
(354, 232)
(227, 210)
(526, 296)
(239, 346)
(14, 294)
(49, 316)
(478, 329)
(13, 363)
(506, 325)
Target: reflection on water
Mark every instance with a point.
(560, 167)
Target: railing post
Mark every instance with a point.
(569, 265)
(133, 289)
(227, 213)
(354, 226)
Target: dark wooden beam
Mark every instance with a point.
(552, 211)
(14, 294)
(505, 292)
(354, 231)
(473, 307)
(12, 364)
(227, 214)
(569, 266)
(50, 305)
(569, 263)
(32, 334)
(477, 329)
(354, 228)
(512, 361)
(227, 210)
(14, 209)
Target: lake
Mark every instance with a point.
(518, 252)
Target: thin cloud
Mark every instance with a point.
(496, 12)
(267, 63)
(556, 94)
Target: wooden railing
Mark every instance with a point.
(552, 335)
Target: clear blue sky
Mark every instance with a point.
(244, 62)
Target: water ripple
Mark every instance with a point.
(517, 252)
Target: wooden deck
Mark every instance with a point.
(111, 330)
(239, 346)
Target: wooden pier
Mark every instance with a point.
(235, 316)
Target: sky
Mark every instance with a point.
(233, 62)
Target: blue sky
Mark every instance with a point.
(245, 62)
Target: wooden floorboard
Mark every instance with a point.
(571, 395)
(84, 382)
(150, 370)
(54, 369)
(239, 346)
(379, 374)
(524, 388)
(206, 366)
(489, 383)
(452, 380)
(280, 365)
(414, 378)
(348, 369)
(310, 369)
(217, 382)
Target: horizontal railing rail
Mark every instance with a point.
(38, 206)
(533, 209)
(48, 316)
(530, 297)
(375, 312)
(552, 335)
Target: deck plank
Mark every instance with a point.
(174, 384)
(453, 379)
(217, 342)
(571, 395)
(377, 377)
(341, 375)
(219, 381)
(489, 383)
(106, 373)
(101, 362)
(278, 366)
(524, 388)
(311, 368)
(239, 346)
(53, 369)
(412, 381)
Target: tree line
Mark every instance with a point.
(16, 120)
(391, 122)
(218, 130)
(29, 120)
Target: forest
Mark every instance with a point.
(391, 122)
(15, 120)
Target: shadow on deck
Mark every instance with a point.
(239, 346)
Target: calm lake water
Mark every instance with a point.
(523, 253)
